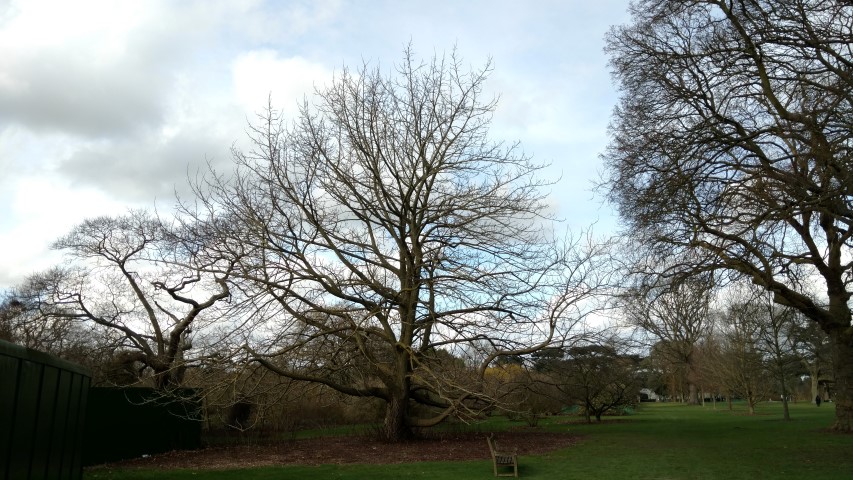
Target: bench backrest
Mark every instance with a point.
(492, 446)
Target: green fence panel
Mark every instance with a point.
(8, 395)
(42, 406)
(79, 427)
(43, 432)
(124, 423)
(26, 415)
(59, 422)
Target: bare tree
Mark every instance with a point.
(812, 348)
(131, 276)
(776, 342)
(10, 309)
(22, 323)
(732, 142)
(676, 317)
(738, 364)
(384, 226)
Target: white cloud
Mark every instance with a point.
(261, 74)
(80, 67)
(41, 208)
(107, 104)
(98, 28)
(106, 69)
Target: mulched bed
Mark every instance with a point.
(352, 450)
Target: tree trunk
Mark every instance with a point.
(693, 376)
(692, 394)
(842, 361)
(815, 385)
(786, 412)
(396, 427)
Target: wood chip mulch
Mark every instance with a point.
(352, 450)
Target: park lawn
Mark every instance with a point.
(670, 441)
(659, 441)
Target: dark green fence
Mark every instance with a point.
(124, 423)
(42, 409)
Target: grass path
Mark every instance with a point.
(660, 441)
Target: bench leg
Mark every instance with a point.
(514, 467)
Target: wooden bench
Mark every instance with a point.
(502, 459)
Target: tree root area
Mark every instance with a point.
(350, 450)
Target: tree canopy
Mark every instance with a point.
(384, 226)
(731, 150)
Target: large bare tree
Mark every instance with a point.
(138, 279)
(732, 141)
(383, 229)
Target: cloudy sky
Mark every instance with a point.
(107, 105)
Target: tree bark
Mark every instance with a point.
(396, 427)
(692, 394)
(842, 359)
(785, 410)
(815, 384)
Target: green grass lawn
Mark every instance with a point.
(659, 441)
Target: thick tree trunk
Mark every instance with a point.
(168, 378)
(692, 394)
(815, 385)
(396, 427)
(693, 376)
(842, 361)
